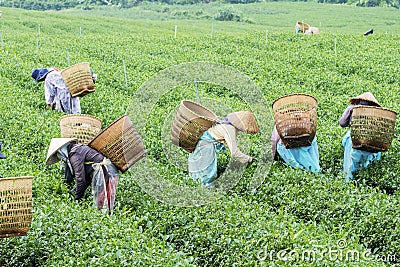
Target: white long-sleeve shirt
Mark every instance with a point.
(227, 134)
(57, 91)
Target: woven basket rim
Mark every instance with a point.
(74, 66)
(16, 178)
(201, 106)
(80, 115)
(374, 107)
(291, 95)
(109, 126)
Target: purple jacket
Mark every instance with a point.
(344, 121)
(78, 156)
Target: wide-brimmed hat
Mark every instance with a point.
(1, 154)
(56, 144)
(40, 74)
(243, 120)
(367, 97)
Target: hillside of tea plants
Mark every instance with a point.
(291, 218)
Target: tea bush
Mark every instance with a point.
(291, 212)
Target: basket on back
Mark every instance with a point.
(190, 122)
(120, 143)
(81, 126)
(15, 206)
(78, 79)
(296, 119)
(372, 128)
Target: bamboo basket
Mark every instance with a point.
(78, 79)
(296, 119)
(81, 126)
(190, 122)
(120, 143)
(15, 206)
(372, 128)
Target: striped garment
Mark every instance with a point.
(57, 91)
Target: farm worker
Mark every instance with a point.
(355, 158)
(1, 154)
(56, 91)
(304, 157)
(89, 167)
(202, 161)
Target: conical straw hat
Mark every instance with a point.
(244, 120)
(365, 96)
(56, 144)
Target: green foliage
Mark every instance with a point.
(292, 210)
(226, 15)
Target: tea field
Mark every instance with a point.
(290, 218)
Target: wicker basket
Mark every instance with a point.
(296, 119)
(15, 206)
(120, 143)
(81, 126)
(372, 128)
(78, 79)
(190, 122)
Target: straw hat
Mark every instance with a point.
(243, 120)
(56, 144)
(365, 96)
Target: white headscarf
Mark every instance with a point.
(62, 154)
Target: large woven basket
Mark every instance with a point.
(15, 206)
(121, 143)
(190, 122)
(372, 128)
(81, 126)
(296, 119)
(78, 79)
